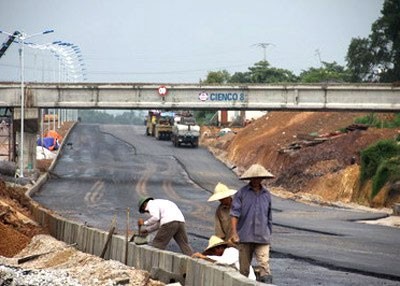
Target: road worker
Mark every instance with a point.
(222, 219)
(166, 217)
(251, 217)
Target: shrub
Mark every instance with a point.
(372, 157)
(380, 162)
(373, 120)
(388, 171)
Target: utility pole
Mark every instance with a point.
(264, 47)
(21, 37)
(318, 54)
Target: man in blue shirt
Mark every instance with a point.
(251, 218)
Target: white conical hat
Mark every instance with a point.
(221, 191)
(215, 241)
(256, 171)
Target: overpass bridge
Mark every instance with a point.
(320, 97)
(324, 97)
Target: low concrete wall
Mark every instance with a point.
(165, 266)
(396, 209)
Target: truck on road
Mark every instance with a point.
(185, 131)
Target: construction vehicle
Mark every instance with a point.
(150, 122)
(185, 131)
(163, 127)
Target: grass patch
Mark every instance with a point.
(380, 162)
(373, 120)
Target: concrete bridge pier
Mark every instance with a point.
(31, 128)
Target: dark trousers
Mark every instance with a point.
(176, 230)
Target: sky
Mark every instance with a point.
(178, 41)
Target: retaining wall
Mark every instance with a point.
(165, 266)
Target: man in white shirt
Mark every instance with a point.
(222, 252)
(167, 218)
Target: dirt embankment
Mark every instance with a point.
(309, 153)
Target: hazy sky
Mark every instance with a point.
(177, 41)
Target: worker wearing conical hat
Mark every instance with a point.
(223, 252)
(222, 219)
(251, 218)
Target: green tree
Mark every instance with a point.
(377, 58)
(130, 117)
(329, 72)
(217, 77)
(240, 77)
(261, 72)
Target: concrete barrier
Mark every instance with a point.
(396, 209)
(163, 265)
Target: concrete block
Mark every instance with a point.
(118, 248)
(92, 246)
(190, 271)
(179, 264)
(156, 258)
(208, 274)
(219, 273)
(131, 255)
(99, 240)
(81, 237)
(52, 225)
(166, 260)
(234, 278)
(166, 276)
(147, 257)
(70, 232)
(137, 257)
(196, 272)
(60, 229)
(396, 209)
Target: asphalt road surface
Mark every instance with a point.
(106, 168)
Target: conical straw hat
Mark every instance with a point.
(215, 241)
(221, 191)
(256, 171)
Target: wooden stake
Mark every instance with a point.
(109, 236)
(127, 236)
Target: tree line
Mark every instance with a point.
(372, 59)
(103, 117)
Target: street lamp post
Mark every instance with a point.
(21, 36)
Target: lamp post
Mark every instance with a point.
(21, 36)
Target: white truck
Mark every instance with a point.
(185, 131)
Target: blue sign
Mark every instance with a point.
(222, 96)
